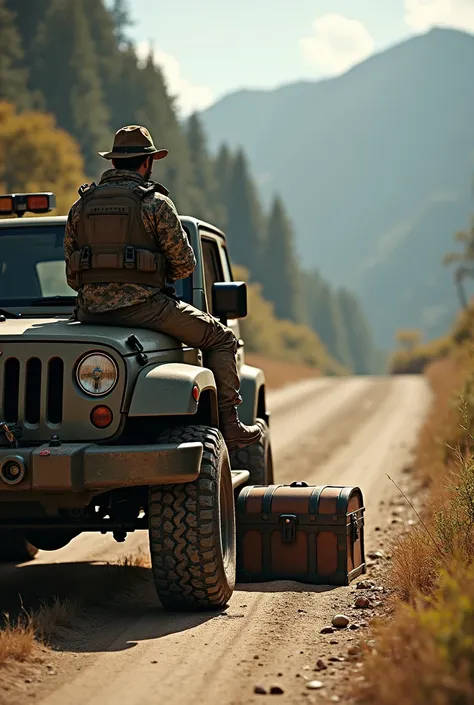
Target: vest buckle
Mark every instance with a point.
(85, 258)
(130, 257)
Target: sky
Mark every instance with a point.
(209, 48)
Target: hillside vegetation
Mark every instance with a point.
(426, 652)
(374, 169)
(72, 59)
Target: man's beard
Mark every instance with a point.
(147, 175)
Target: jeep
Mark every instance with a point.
(115, 429)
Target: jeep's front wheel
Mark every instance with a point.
(192, 528)
(15, 547)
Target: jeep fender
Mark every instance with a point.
(166, 389)
(252, 389)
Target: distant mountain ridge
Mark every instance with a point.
(375, 167)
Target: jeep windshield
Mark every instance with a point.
(32, 269)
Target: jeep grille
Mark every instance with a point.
(43, 385)
(38, 391)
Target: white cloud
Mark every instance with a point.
(420, 15)
(189, 96)
(337, 43)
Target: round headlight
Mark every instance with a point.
(97, 374)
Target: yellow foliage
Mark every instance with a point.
(413, 358)
(409, 338)
(281, 340)
(36, 155)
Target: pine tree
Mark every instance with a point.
(326, 317)
(13, 76)
(359, 335)
(246, 224)
(222, 167)
(279, 268)
(145, 101)
(205, 200)
(102, 30)
(65, 52)
(122, 20)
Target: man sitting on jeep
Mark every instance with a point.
(123, 242)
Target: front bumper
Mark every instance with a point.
(89, 467)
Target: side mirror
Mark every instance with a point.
(229, 300)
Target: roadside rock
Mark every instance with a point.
(320, 665)
(276, 690)
(314, 685)
(353, 650)
(362, 603)
(340, 620)
(365, 585)
(375, 555)
(259, 690)
(327, 630)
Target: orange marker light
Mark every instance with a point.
(6, 204)
(37, 203)
(101, 416)
(195, 392)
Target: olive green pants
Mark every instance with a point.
(190, 326)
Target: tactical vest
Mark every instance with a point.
(114, 246)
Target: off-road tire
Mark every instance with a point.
(192, 529)
(15, 548)
(256, 458)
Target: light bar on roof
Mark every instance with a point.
(21, 203)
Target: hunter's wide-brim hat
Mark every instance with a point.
(133, 141)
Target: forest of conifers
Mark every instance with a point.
(69, 78)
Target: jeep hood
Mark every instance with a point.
(59, 330)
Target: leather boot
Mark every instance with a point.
(236, 434)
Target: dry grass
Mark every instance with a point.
(426, 653)
(140, 559)
(50, 618)
(17, 640)
(415, 566)
(22, 638)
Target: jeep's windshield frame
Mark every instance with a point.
(32, 266)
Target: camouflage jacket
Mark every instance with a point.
(161, 221)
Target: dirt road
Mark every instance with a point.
(333, 431)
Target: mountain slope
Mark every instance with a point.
(375, 167)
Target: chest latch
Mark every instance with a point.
(288, 524)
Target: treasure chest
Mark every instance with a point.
(310, 534)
